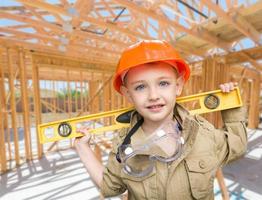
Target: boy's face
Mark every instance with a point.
(152, 88)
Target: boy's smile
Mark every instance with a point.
(152, 88)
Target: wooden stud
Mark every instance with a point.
(69, 99)
(5, 112)
(13, 105)
(81, 91)
(24, 92)
(37, 104)
(76, 98)
(2, 124)
(94, 92)
(253, 115)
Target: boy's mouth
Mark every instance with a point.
(155, 106)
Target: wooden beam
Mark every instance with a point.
(58, 29)
(25, 103)
(45, 6)
(79, 34)
(254, 104)
(4, 109)
(252, 61)
(94, 93)
(36, 23)
(37, 105)
(249, 72)
(60, 10)
(56, 61)
(238, 21)
(82, 6)
(47, 49)
(56, 41)
(13, 106)
(239, 57)
(198, 32)
(2, 123)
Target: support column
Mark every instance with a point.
(2, 123)
(26, 115)
(37, 105)
(13, 105)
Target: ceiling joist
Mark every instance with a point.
(103, 29)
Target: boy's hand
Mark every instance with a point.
(86, 138)
(227, 87)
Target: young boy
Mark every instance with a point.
(166, 153)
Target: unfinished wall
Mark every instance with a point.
(37, 88)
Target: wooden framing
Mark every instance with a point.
(3, 125)
(79, 52)
(105, 91)
(251, 77)
(238, 21)
(37, 105)
(13, 107)
(26, 115)
(91, 34)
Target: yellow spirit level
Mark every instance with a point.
(206, 102)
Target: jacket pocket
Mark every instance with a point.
(140, 187)
(201, 172)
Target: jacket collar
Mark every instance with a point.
(189, 125)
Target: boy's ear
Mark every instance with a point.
(126, 94)
(179, 85)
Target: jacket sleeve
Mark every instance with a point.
(112, 184)
(232, 140)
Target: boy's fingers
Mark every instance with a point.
(231, 86)
(227, 87)
(84, 139)
(222, 87)
(83, 130)
(86, 135)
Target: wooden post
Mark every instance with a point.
(54, 96)
(64, 98)
(213, 73)
(13, 105)
(37, 104)
(69, 99)
(76, 97)
(5, 112)
(2, 142)
(81, 91)
(26, 115)
(92, 92)
(2, 123)
(86, 97)
(113, 98)
(253, 114)
(55, 106)
(251, 91)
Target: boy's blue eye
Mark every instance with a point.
(164, 83)
(140, 87)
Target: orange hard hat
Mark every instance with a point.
(148, 51)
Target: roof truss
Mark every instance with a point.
(103, 28)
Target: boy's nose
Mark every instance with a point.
(153, 94)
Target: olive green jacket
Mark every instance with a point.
(191, 176)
